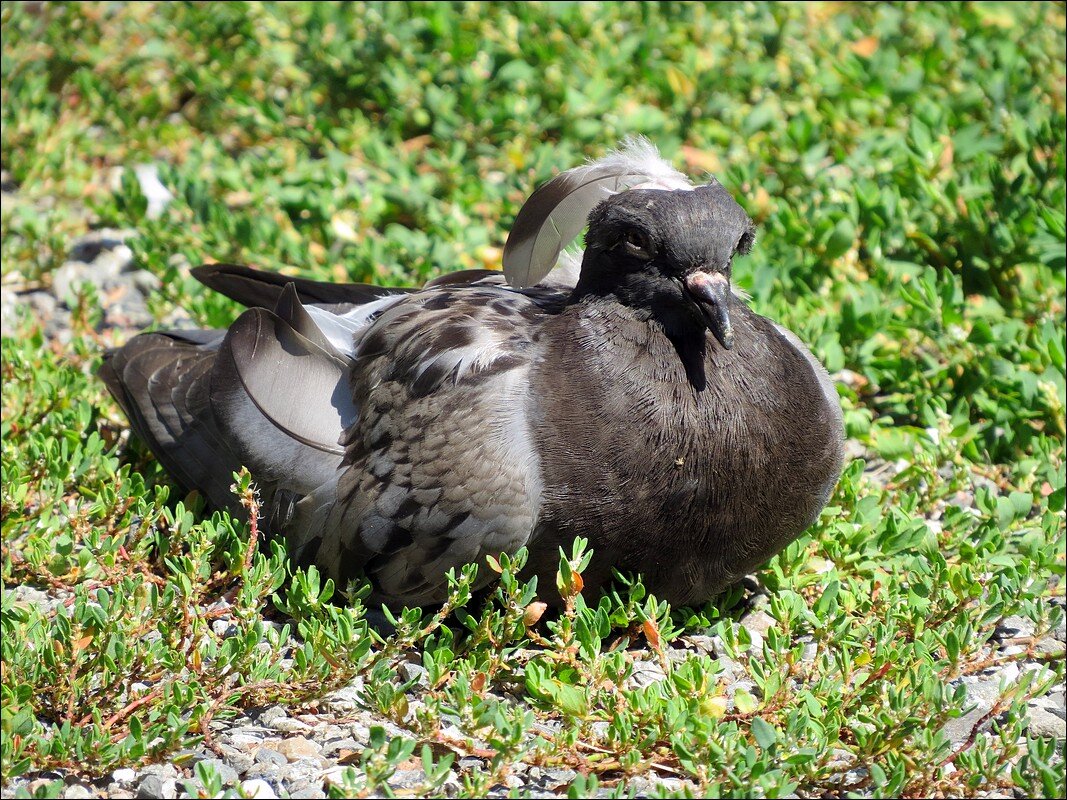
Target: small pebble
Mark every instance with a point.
(1014, 627)
(268, 755)
(125, 775)
(407, 779)
(296, 748)
(258, 789)
(290, 725)
(154, 786)
(335, 746)
(645, 673)
(227, 774)
(758, 622)
(1047, 724)
(223, 628)
(270, 715)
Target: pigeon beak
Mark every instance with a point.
(712, 294)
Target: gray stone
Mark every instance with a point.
(289, 725)
(335, 776)
(856, 775)
(840, 759)
(227, 774)
(1048, 715)
(346, 699)
(1048, 645)
(705, 645)
(111, 263)
(156, 787)
(1003, 676)
(1047, 724)
(407, 779)
(270, 773)
(88, 247)
(410, 671)
(157, 195)
(755, 649)
(334, 746)
(144, 281)
(164, 771)
(306, 789)
(560, 775)
(77, 791)
(982, 693)
(242, 739)
(758, 623)
(1015, 627)
(361, 732)
(224, 628)
(268, 755)
(10, 303)
(964, 499)
(271, 714)
(306, 770)
(240, 760)
(71, 276)
(24, 594)
(759, 598)
(675, 655)
(328, 732)
(645, 673)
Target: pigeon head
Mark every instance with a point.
(655, 242)
(670, 251)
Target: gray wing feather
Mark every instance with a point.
(281, 400)
(161, 380)
(256, 288)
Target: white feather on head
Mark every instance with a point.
(638, 156)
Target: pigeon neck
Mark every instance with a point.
(658, 301)
(669, 328)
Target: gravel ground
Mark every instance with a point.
(277, 751)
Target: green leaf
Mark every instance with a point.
(764, 734)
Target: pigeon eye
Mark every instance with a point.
(637, 243)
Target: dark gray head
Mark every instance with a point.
(667, 251)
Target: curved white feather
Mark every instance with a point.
(556, 213)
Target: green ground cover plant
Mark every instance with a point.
(906, 168)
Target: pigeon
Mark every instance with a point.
(624, 393)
